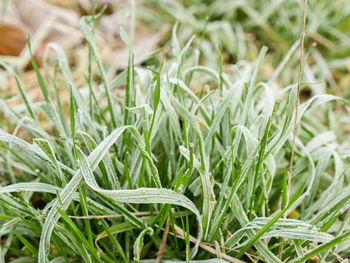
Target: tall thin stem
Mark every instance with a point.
(298, 101)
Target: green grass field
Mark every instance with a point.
(190, 162)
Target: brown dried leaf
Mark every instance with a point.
(23, 17)
(12, 40)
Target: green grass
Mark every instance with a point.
(241, 28)
(98, 185)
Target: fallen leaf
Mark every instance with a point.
(12, 40)
(18, 22)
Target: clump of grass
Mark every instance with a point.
(100, 184)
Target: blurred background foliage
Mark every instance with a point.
(238, 28)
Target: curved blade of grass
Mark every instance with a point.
(138, 245)
(289, 228)
(299, 234)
